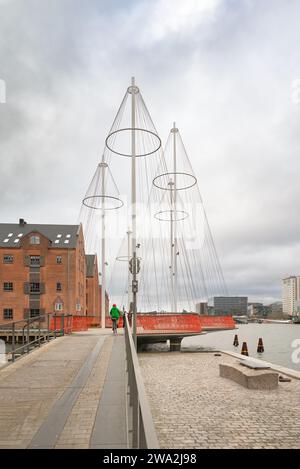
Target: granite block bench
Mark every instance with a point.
(254, 377)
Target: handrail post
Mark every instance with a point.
(62, 324)
(23, 339)
(13, 343)
(48, 327)
(27, 335)
(39, 342)
(54, 325)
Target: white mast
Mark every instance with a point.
(129, 257)
(175, 216)
(133, 202)
(171, 184)
(103, 265)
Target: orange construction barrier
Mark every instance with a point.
(217, 322)
(187, 322)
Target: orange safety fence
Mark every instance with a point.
(217, 322)
(71, 323)
(93, 321)
(56, 323)
(169, 322)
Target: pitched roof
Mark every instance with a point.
(90, 262)
(61, 236)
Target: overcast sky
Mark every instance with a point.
(225, 70)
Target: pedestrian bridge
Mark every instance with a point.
(82, 390)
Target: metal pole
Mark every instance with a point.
(39, 331)
(13, 342)
(103, 282)
(129, 257)
(48, 327)
(28, 337)
(171, 246)
(133, 205)
(175, 131)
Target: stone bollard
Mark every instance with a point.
(260, 346)
(236, 341)
(245, 349)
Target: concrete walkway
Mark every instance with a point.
(70, 393)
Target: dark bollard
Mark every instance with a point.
(236, 341)
(260, 346)
(245, 349)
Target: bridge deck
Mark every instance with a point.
(70, 393)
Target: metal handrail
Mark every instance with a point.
(143, 431)
(43, 334)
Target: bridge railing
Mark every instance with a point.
(143, 430)
(26, 334)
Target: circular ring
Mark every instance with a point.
(161, 186)
(125, 258)
(119, 202)
(138, 129)
(184, 215)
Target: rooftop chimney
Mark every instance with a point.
(22, 222)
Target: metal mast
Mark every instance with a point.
(102, 195)
(171, 184)
(173, 178)
(129, 257)
(133, 89)
(103, 277)
(136, 124)
(175, 130)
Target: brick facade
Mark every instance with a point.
(46, 277)
(93, 290)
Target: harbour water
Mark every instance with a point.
(281, 342)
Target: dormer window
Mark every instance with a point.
(34, 239)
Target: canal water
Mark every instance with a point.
(281, 342)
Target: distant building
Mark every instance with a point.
(297, 307)
(201, 308)
(254, 309)
(235, 305)
(290, 294)
(43, 269)
(276, 310)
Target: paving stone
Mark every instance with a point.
(193, 407)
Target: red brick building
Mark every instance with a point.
(43, 269)
(93, 290)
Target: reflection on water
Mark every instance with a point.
(277, 338)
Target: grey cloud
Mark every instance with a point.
(226, 81)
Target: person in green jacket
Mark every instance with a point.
(115, 314)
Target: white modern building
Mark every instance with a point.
(290, 294)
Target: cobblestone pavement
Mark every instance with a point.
(30, 387)
(195, 408)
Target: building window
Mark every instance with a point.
(58, 286)
(58, 306)
(35, 287)
(8, 259)
(8, 286)
(8, 313)
(58, 259)
(78, 307)
(34, 239)
(34, 312)
(35, 260)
